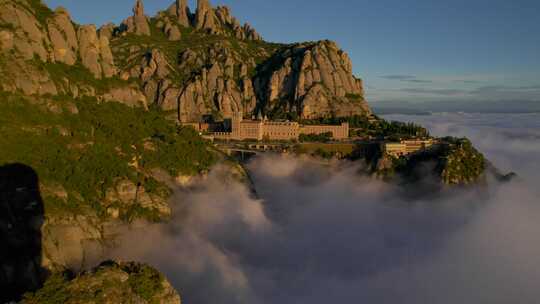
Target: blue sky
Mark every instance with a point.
(410, 50)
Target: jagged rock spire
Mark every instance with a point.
(205, 17)
(183, 13)
(138, 23)
(138, 9)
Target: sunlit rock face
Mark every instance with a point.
(199, 64)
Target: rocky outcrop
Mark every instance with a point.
(138, 23)
(215, 87)
(452, 161)
(313, 80)
(28, 34)
(227, 22)
(68, 242)
(108, 30)
(218, 21)
(172, 32)
(128, 95)
(27, 78)
(460, 163)
(169, 27)
(95, 52)
(110, 282)
(308, 80)
(205, 17)
(181, 10)
(33, 37)
(63, 37)
(211, 88)
(127, 194)
(153, 73)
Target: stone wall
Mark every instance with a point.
(338, 132)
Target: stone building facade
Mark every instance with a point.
(406, 147)
(242, 129)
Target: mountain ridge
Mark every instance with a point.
(197, 64)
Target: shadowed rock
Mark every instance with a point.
(21, 218)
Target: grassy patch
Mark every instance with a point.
(54, 291)
(325, 137)
(145, 281)
(88, 152)
(78, 74)
(325, 150)
(38, 9)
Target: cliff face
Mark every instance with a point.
(196, 64)
(453, 161)
(312, 80)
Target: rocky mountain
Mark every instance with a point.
(111, 282)
(453, 162)
(91, 141)
(194, 64)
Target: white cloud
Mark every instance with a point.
(326, 234)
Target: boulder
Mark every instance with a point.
(107, 30)
(173, 32)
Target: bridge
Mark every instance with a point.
(244, 151)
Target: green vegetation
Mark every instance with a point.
(454, 161)
(325, 137)
(325, 150)
(54, 291)
(42, 12)
(360, 125)
(89, 152)
(461, 162)
(105, 284)
(135, 212)
(78, 74)
(145, 281)
(354, 97)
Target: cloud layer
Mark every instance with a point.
(324, 234)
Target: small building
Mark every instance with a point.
(395, 148)
(406, 147)
(200, 127)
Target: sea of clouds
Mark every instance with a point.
(325, 234)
